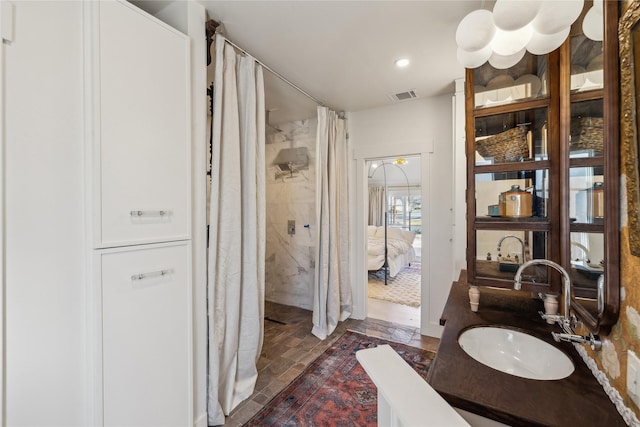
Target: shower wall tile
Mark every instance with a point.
(291, 194)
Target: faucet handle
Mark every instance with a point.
(573, 321)
(554, 317)
(594, 342)
(591, 339)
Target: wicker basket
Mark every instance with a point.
(507, 146)
(589, 135)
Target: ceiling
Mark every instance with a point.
(343, 52)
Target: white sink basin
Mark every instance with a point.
(515, 353)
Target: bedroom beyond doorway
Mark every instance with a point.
(394, 239)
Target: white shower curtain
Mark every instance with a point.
(376, 205)
(332, 293)
(237, 231)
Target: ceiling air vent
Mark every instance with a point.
(403, 96)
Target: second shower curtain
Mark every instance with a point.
(332, 292)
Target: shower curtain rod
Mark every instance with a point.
(278, 75)
(396, 186)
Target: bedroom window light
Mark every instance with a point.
(405, 209)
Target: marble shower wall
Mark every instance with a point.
(291, 195)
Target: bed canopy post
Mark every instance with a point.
(385, 265)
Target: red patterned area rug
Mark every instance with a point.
(334, 390)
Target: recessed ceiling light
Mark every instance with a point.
(402, 62)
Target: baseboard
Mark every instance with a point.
(201, 421)
(433, 329)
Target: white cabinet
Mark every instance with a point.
(146, 338)
(142, 128)
(138, 196)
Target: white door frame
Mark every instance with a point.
(6, 35)
(359, 274)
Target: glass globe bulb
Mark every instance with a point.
(511, 15)
(541, 44)
(507, 43)
(474, 59)
(593, 25)
(475, 31)
(502, 62)
(553, 15)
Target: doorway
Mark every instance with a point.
(394, 239)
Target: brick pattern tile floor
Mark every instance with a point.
(289, 347)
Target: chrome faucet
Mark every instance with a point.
(514, 237)
(566, 321)
(585, 251)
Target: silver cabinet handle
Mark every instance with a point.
(159, 273)
(149, 213)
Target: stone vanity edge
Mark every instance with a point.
(466, 384)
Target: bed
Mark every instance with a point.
(399, 244)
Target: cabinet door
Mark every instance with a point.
(146, 336)
(144, 135)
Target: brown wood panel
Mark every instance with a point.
(513, 166)
(579, 227)
(511, 107)
(588, 95)
(587, 162)
(611, 165)
(470, 133)
(526, 224)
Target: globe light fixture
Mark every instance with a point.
(541, 44)
(507, 43)
(593, 24)
(513, 15)
(553, 16)
(476, 30)
(513, 27)
(474, 59)
(502, 62)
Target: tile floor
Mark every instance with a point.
(396, 313)
(289, 347)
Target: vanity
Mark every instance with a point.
(473, 387)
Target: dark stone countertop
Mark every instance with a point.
(577, 400)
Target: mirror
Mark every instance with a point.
(594, 186)
(629, 33)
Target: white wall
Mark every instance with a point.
(199, 106)
(45, 302)
(174, 13)
(460, 182)
(425, 127)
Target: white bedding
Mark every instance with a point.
(400, 249)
